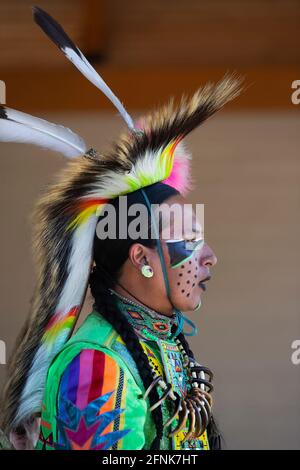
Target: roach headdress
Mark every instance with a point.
(66, 214)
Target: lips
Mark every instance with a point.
(202, 283)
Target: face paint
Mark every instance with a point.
(181, 251)
(186, 275)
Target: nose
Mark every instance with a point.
(207, 257)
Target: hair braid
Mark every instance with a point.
(106, 306)
(214, 435)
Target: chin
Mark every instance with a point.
(189, 304)
(194, 303)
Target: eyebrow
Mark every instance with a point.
(197, 230)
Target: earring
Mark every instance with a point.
(147, 271)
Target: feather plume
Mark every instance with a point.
(16, 126)
(56, 33)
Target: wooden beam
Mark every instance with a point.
(59, 89)
(94, 29)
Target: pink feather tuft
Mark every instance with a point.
(180, 177)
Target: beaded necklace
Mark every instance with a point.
(196, 406)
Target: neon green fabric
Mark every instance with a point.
(129, 423)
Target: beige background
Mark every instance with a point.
(247, 168)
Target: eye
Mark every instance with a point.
(194, 244)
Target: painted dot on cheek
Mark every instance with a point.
(187, 282)
(189, 271)
(193, 285)
(178, 283)
(182, 290)
(188, 295)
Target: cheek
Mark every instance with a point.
(185, 277)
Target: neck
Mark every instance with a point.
(167, 311)
(147, 323)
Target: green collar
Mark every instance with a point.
(146, 322)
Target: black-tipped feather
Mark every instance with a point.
(3, 114)
(56, 33)
(53, 30)
(19, 127)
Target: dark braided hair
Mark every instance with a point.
(105, 305)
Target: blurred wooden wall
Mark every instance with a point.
(148, 50)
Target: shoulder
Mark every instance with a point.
(92, 342)
(91, 373)
(95, 352)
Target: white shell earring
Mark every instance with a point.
(147, 271)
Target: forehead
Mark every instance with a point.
(180, 219)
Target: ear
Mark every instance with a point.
(139, 255)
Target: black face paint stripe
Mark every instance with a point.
(179, 252)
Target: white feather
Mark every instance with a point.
(23, 128)
(57, 34)
(82, 64)
(72, 295)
